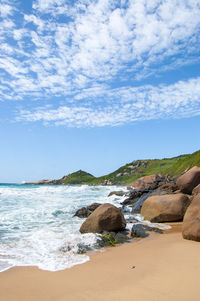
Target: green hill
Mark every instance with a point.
(136, 169)
(139, 168)
(78, 177)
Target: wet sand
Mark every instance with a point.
(167, 268)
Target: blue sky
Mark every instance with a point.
(96, 84)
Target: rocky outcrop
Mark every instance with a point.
(191, 222)
(165, 208)
(150, 182)
(196, 190)
(189, 180)
(105, 218)
(86, 211)
(44, 182)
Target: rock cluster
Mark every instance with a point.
(183, 204)
(158, 199)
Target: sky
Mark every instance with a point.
(95, 84)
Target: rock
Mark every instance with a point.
(196, 190)
(107, 182)
(118, 193)
(165, 208)
(43, 182)
(191, 222)
(169, 186)
(86, 211)
(119, 174)
(150, 182)
(105, 218)
(134, 195)
(189, 180)
(112, 238)
(132, 220)
(136, 198)
(138, 205)
(139, 230)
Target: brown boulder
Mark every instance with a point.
(191, 222)
(105, 218)
(189, 180)
(147, 181)
(165, 208)
(196, 190)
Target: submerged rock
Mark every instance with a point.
(105, 218)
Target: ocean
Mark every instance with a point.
(37, 227)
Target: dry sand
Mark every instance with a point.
(167, 268)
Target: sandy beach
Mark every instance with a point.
(166, 268)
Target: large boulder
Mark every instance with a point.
(105, 218)
(189, 180)
(196, 190)
(191, 222)
(165, 208)
(151, 182)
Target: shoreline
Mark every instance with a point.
(166, 268)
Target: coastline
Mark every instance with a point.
(166, 268)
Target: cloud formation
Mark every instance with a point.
(125, 105)
(81, 50)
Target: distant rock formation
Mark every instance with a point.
(44, 182)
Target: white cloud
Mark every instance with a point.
(125, 105)
(80, 49)
(5, 10)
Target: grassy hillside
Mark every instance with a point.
(78, 177)
(136, 169)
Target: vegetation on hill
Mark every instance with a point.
(78, 177)
(136, 169)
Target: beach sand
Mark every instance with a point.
(167, 268)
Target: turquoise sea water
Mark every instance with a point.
(37, 223)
